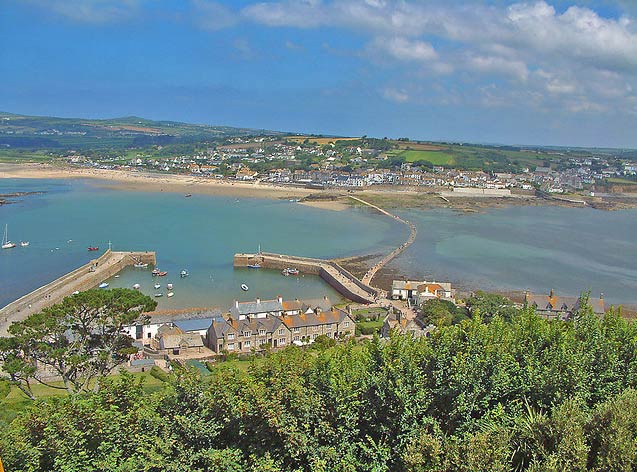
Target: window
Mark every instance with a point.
(297, 338)
(262, 342)
(262, 332)
(281, 341)
(346, 324)
(329, 326)
(246, 343)
(329, 335)
(230, 346)
(295, 330)
(281, 332)
(246, 334)
(314, 336)
(230, 336)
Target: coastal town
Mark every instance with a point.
(359, 163)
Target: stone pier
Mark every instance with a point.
(88, 276)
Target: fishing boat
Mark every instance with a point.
(6, 244)
(162, 273)
(244, 287)
(24, 243)
(137, 286)
(155, 272)
(169, 286)
(157, 286)
(188, 195)
(159, 294)
(140, 265)
(285, 272)
(184, 273)
(103, 285)
(170, 294)
(293, 271)
(93, 248)
(254, 266)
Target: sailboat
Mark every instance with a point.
(6, 244)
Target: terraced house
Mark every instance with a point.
(276, 323)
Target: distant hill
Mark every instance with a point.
(21, 131)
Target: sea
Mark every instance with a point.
(536, 248)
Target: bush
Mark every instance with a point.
(367, 328)
(5, 388)
(159, 374)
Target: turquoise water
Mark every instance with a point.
(535, 248)
(516, 248)
(199, 234)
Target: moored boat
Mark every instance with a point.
(254, 266)
(93, 248)
(103, 285)
(137, 286)
(184, 273)
(155, 271)
(140, 265)
(24, 243)
(6, 244)
(170, 294)
(159, 294)
(157, 286)
(169, 286)
(162, 273)
(244, 287)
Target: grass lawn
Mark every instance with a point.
(437, 158)
(616, 180)
(16, 401)
(369, 327)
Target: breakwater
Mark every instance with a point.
(340, 279)
(367, 278)
(87, 276)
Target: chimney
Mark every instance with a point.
(601, 296)
(236, 304)
(551, 293)
(258, 300)
(279, 299)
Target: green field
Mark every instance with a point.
(437, 158)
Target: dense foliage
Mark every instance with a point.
(524, 394)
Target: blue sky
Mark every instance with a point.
(527, 72)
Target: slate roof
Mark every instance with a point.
(252, 308)
(313, 319)
(171, 341)
(196, 324)
(552, 302)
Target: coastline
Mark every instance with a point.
(329, 199)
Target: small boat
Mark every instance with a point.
(254, 266)
(244, 287)
(157, 286)
(103, 285)
(159, 294)
(140, 265)
(293, 271)
(162, 273)
(116, 276)
(6, 244)
(170, 294)
(76, 292)
(137, 286)
(155, 272)
(169, 286)
(93, 248)
(188, 195)
(24, 243)
(285, 272)
(184, 273)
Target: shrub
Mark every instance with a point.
(159, 374)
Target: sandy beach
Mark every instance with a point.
(153, 182)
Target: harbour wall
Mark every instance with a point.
(87, 276)
(335, 275)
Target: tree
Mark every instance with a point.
(443, 312)
(490, 305)
(80, 339)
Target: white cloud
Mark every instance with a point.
(499, 65)
(404, 49)
(91, 11)
(395, 95)
(213, 16)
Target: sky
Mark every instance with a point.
(545, 72)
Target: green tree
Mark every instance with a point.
(79, 339)
(490, 305)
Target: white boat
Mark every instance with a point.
(6, 244)
(254, 266)
(169, 286)
(137, 286)
(140, 265)
(76, 292)
(170, 294)
(184, 273)
(103, 285)
(157, 286)
(159, 294)
(244, 287)
(24, 243)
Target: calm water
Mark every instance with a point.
(536, 248)
(515, 248)
(199, 234)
